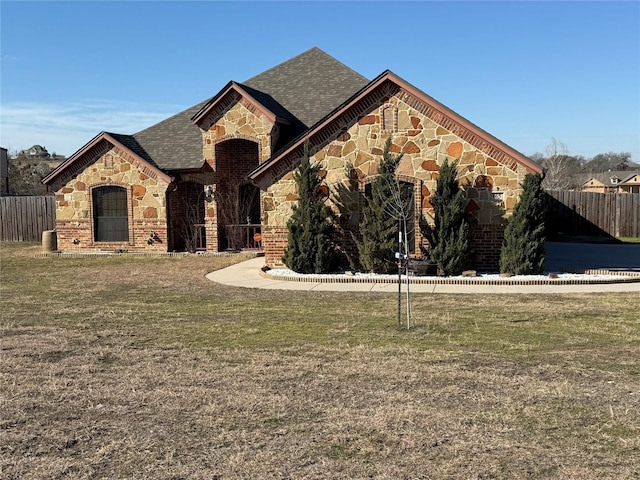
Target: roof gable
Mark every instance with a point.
(297, 92)
(232, 93)
(632, 178)
(612, 178)
(383, 86)
(92, 150)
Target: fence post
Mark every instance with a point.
(617, 216)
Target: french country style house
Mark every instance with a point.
(219, 175)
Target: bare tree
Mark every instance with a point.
(610, 161)
(26, 174)
(400, 208)
(193, 215)
(559, 167)
(236, 207)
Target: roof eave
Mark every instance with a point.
(60, 168)
(389, 75)
(197, 118)
(103, 136)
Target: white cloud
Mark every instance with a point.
(64, 128)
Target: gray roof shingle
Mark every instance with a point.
(174, 143)
(301, 90)
(606, 178)
(310, 85)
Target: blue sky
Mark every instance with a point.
(524, 71)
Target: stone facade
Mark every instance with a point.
(239, 120)
(247, 148)
(350, 160)
(108, 165)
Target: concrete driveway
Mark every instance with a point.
(584, 256)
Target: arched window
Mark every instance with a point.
(110, 214)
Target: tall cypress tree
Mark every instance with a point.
(379, 229)
(523, 250)
(450, 238)
(310, 246)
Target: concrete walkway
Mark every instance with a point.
(247, 275)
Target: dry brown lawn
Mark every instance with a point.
(141, 368)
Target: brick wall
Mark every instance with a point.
(274, 242)
(234, 159)
(487, 239)
(77, 235)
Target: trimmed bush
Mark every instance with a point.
(310, 246)
(523, 251)
(450, 238)
(378, 228)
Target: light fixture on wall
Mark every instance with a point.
(208, 192)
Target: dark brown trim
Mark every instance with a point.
(437, 110)
(137, 160)
(232, 86)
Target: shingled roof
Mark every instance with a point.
(301, 90)
(611, 178)
(310, 85)
(174, 143)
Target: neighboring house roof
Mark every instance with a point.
(432, 108)
(35, 151)
(633, 178)
(610, 178)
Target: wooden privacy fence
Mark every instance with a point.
(589, 213)
(23, 219)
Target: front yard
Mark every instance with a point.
(130, 367)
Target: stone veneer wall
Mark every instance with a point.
(240, 121)
(492, 187)
(146, 200)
